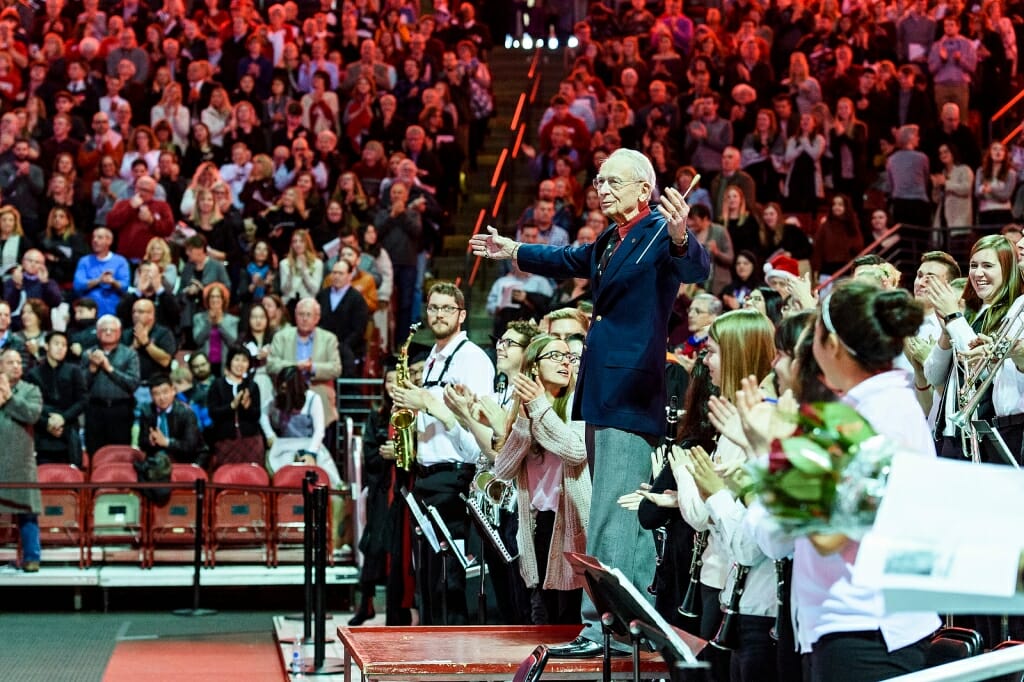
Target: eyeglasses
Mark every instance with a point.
(505, 343)
(442, 309)
(559, 356)
(614, 184)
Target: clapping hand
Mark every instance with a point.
(763, 421)
(157, 438)
(707, 479)
(526, 388)
(726, 420)
(631, 501)
(460, 401)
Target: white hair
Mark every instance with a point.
(640, 164)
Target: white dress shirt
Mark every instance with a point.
(469, 366)
(825, 597)
(759, 593)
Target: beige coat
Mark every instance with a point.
(18, 456)
(557, 439)
(326, 364)
(956, 201)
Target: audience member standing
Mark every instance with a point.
(62, 386)
(907, 171)
(111, 377)
(952, 61)
(20, 405)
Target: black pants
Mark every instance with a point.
(917, 212)
(441, 489)
(561, 607)
(754, 660)
(710, 620)
(510, 592)
(861, 657)
(108, 425)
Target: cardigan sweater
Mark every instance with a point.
(556, 439)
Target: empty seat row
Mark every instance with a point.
(121, 515)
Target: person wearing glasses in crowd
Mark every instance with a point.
(447, 453)
(636, 267)
(545, 455)
(488, 418)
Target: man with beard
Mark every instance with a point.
(64, 398)
(635, 268)
(446, 453)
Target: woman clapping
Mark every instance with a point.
(545, 455)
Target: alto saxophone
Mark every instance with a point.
(403, 421)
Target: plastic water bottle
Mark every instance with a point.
(296, 667)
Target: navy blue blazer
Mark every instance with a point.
(622, 374)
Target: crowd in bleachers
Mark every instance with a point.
(217, 160)
(181, 180)
(885, 105)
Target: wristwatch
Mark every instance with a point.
(946, 319)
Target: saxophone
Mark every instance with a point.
(403, 421)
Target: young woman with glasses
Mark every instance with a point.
(545, 455)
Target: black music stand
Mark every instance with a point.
(624, 610)
(489, 534)
(424, 529)
(988, 434)
(449, 548)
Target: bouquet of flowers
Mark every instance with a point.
(829, 476)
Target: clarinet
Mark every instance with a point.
(661, 534)
(728, 636)
(660, 540)
(782, 566)
(691, 604)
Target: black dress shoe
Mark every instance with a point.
(581, 647)
(362, 615)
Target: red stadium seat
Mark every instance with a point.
(289, 519)
(175, 522)
(116, 514)
(63, 519)
(115, 453)
(239, 517)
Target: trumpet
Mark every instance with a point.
(728, 636)
(494, 494)
(691, 605)
(977, 381)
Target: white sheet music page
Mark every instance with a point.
(948, 537)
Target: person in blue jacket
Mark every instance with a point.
(635, 268)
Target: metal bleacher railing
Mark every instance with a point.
(503, 177)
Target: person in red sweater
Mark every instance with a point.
(137, 220)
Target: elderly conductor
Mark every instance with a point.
(635, 268)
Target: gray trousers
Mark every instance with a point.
(620, 462)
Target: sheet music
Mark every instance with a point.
(426, 528)
(487, 530)
(457, 547)
(925, 553)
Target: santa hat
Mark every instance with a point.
(782, 266)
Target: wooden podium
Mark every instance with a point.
(482, 652)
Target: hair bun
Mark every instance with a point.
(898, 314)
